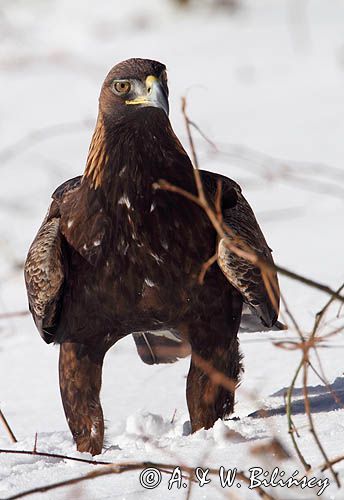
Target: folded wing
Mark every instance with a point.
(244, 276)
(44, 267)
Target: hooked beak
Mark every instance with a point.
(155, 95)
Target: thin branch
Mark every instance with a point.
(291, 426)
(202, 134)
(173, 416)
(207, 264)
(7, 427)
(320, 314)
(35, 444)
(125, 467)
(218, 200)
(330, 463)
(54, 455)
(197, 175)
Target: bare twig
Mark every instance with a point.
(202, 134)
(173, 416)
(35, 444)
(7, 427)
(126, 467)
(207, 264)
(54, 455)
(291, 426)
(320, 314)
(330, 463)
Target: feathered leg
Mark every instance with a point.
(215, 365)
(80, 382)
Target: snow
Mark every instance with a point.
(266, 85)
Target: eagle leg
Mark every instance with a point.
(80, 374)
(214, 370)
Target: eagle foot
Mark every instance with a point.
(89, 443)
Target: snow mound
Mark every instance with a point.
(147, 425)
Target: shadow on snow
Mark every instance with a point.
(322, 399)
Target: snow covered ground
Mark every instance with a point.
(267, 85)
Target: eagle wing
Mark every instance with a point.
(244, 276)
(44, 268)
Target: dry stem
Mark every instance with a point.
(7, 427)
(125, 467)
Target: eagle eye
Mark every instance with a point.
(121, 87)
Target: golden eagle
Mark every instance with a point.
(116, 257)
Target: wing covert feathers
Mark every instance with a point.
(44, 267)
(44, 276)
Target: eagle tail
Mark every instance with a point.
(160, 347)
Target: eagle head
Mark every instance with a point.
(130, 89)
(132, 84)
